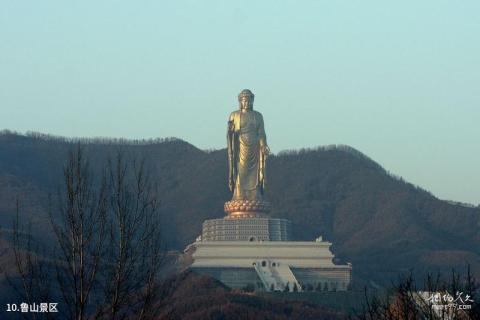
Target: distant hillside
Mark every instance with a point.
(380, 223)
(191, 296)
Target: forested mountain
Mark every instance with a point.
(380, 223)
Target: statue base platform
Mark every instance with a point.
(247, 209)
(246, 215)
(246, 226)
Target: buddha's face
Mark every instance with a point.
(246, 103)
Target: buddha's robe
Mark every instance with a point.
(246, 142)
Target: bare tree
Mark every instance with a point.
(404, 301)
(80, 230)
(108, 250)
(135, 251)
(31, 281)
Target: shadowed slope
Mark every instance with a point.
(191, 296)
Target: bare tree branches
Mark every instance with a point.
(79, 228)
(438, 300)
(108, 250)
(135, 252)
(32, 282)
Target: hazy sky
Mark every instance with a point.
(397, 80)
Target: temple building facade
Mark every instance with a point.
(271, 265)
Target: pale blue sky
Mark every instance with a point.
(398, 80)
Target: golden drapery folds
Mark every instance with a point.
(247, 150)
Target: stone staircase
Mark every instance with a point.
(286, 275)
(275, 277)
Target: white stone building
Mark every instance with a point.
(268, 265)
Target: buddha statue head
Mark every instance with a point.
(245, 98)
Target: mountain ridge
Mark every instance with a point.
(380, 223)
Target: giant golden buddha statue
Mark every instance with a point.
(247, 153)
